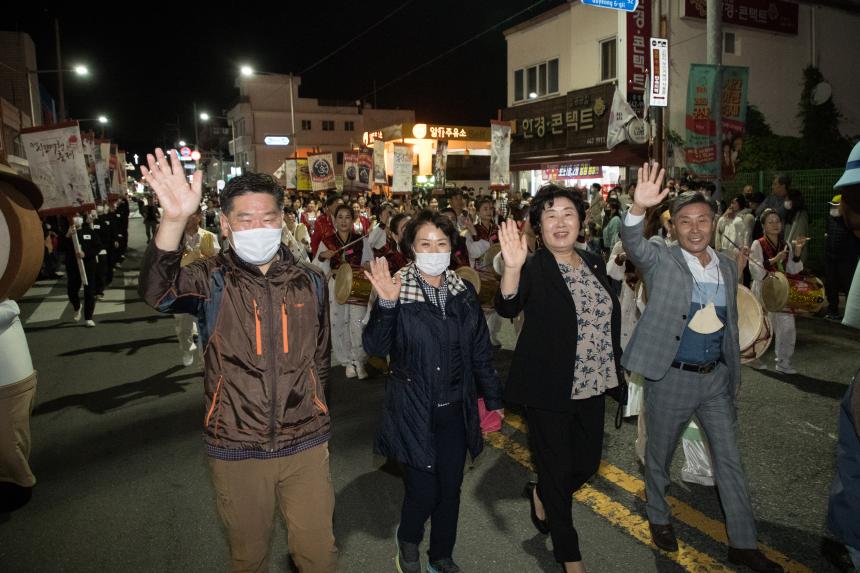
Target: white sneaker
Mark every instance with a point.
(360, 371)
(90, 323)
(350, 371)
(785, 368)
(77, 315)
(187, 358)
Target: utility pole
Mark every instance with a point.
(714, 26)
(59, 71)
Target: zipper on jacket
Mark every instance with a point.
(259, 336)
(273, 365)
(215, 399)
(284, 332)
(317, 402)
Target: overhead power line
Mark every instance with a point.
(452, 50)
(363, 33)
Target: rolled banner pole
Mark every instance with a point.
(81, 268)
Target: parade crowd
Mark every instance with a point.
(267, 287)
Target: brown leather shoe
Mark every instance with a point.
(663, 536)
(754, 559)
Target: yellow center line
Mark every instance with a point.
(615, 513)
(681, 511)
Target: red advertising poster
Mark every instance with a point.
(638, 41)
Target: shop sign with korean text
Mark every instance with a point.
(622, 5)
(771, 15)
(658, 90)
(638, 42)
(578, 170)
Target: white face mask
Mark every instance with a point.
(834, 212)
(256, 246)
(433, 264)
(79, 221)
(787, 204)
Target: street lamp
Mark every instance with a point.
(103, 119)
(247, 71)
(181, 143)
(81, 70)
(204, 116)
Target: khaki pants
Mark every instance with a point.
(16, 403)
(247, 492)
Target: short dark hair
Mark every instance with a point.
(455, 192)
(691, 198)
(395, 221)
(426, 217)
(546, 196)
(485, 199)
(595, 186)
(757, 197)
(783, 179)
(331, 199)
(742, 201)
(344, 207)
(250, 182)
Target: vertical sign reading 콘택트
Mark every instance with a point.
(402, 176)
(658, 90)
(500, 155)
(321, 169)
(379, 175)
(638, 42)
(700, 152)
(57, 166)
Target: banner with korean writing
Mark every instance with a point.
(658, 89)
(500, 155)
(113, 166)
(365, 169)
(379, 175)
(771, 15)
(89, 147)
(638, 41)
(101, 171)
(402, 168)
(321, 168)
(733, 110)
(700, 151)
(291, 174)
(303, 175)
(579, 170)
(57, 166)
(440, 164)
(350, 170)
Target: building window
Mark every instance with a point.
(730, 45)
(328, 125)
(518, 85)
(349, 126)
(306, 125)
(536, 81)
(608, 60)
(338, 157)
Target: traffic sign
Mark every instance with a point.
(623, 5)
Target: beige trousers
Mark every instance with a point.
(16, 403)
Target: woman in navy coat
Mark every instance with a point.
(429, 322)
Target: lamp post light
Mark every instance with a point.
(101, 119)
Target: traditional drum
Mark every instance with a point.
(490, 254)
(301, 234)
(796, 294)
(486, 284)
(754, 329)
(351, 286)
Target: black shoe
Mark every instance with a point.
(13, 496)
(663, 536)
(542, 525)
(754, 559)
(407, 559)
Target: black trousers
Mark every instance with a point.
(437, 495)
(838, 275)
(73, 285)
(566, 448)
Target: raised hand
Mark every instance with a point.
(514, 246)
(167, 178)
(387, 287)
(648, 193)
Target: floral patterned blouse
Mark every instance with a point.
(594, 370)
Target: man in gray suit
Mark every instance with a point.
(686, 347)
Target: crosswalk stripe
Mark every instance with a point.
(51, 307)
(687, 556)
(681, 511)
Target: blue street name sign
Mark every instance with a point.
(624, 5)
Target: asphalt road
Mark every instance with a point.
(123, 483)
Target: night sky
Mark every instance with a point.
(147, 71)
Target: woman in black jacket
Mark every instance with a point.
(568, 356)
(430, 323)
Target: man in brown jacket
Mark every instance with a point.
(264, 326)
